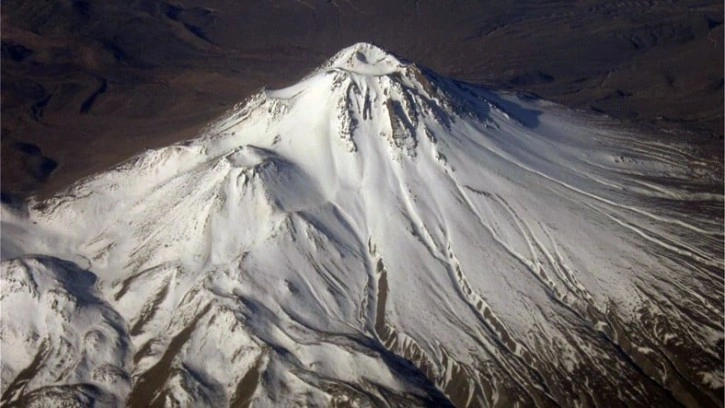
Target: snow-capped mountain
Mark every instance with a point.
(375, 235)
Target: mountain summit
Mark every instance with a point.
(374, 235)
(366, 59)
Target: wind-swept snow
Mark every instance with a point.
(375, 234)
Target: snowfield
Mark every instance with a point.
(375, 235)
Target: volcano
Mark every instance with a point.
(374, 235)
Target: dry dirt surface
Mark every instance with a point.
(86, 84)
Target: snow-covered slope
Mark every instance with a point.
(373, 235)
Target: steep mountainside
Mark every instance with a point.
(373, 235)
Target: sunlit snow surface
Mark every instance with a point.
(373, 235)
